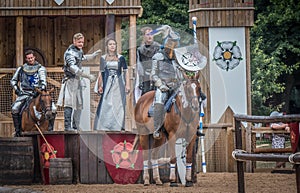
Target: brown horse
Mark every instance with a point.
(180, 122)
(38, 111)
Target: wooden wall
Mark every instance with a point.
(50, 37)
(218, 13)
(7, 41)
(68, 7)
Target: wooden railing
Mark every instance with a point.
(241, 155)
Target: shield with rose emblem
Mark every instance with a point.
(123, 164)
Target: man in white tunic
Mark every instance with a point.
(70, 95)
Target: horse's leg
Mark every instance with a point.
(189, 161)
(154, 159)
(144, 141)
(171, 143)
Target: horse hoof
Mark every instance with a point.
(146, 183)
(159, 183)
(189, 184)
(173, 184)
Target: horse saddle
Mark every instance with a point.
(167, 106)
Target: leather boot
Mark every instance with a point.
(68, 118)
(158, 118)
(17, 124)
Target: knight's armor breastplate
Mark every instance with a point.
(166, 71)
(71, 53)
(30, 77)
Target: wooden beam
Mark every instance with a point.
(119, 33)
(19, 41)
(110, 26)
(273, 150)
(132, 62)
(132, 40)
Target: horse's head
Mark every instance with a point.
(191, 88)
(45, 102)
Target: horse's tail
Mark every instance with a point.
(136, 142)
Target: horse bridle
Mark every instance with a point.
(45, 108)
(190, 105)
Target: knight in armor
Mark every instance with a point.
(164, 74)
(144, 60)
(26, 78)
(70, 95)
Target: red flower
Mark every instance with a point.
(123, 155)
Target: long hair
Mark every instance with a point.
(106, 45)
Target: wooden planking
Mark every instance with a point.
(72, 151)
(84, 151)
(51, 36)
(92, 167)
(103, 176)
(93, 161)
(229, 13)
(68, 7)
(202, 36)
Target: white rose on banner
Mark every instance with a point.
(227, 55)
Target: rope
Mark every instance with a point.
(291, 158)
(238, 151)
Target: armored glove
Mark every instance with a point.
(97, 52)
(164, 88)
(93, 55)
(91, 77)
(43, 87)
(141, 85)
(18, 92)
(158, 83)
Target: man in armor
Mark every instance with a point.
(26, 78)
(164, 74)
(144, 59)
(71, 90)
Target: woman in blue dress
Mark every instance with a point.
(113, 85)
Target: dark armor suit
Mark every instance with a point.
(144, 65)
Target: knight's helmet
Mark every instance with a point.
(170, 39)
(188, 57)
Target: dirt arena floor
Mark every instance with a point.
(207, 183)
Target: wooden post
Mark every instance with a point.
(132, 62)
(132, 40)
(110, 26)
(240, 168)
(118, 34)
(19, 41)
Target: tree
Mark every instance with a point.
(275, 54)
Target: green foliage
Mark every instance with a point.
(275, 51)
(169, 12)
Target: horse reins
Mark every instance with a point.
(44, 109)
